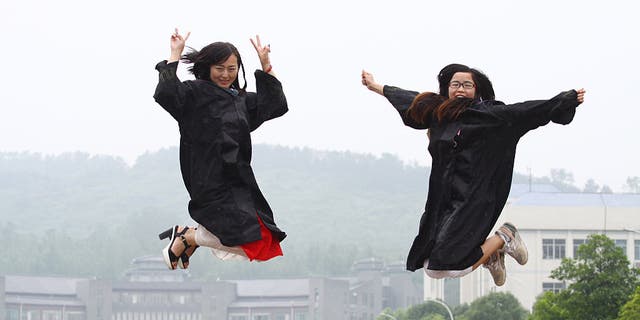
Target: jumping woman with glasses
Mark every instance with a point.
(472, 142)
(216, 116)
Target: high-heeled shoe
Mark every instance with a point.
(181, 260)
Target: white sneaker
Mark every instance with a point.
(496, 268)
(513, 244)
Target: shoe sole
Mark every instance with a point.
(165, 252)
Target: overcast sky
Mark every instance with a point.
(79, 75)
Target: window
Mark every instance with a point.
(552, 286)
(75, 315)
(553, 248)
(51, 315)
(576, 244)
(637, 250)
(301, 315)
(622, 244)
(12, 314)
(238, 317)
(31, 314)
(451, 291)
(260, 317)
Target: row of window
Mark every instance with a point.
(16, 314)
(298, 315)
(155, 316)
(555, 248)
(155, 298)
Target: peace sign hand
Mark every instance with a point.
(177, 45)
(263, 53)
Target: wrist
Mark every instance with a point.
(175, 56)
(267, 68)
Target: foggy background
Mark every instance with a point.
(79, 76)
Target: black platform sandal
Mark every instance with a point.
(184, 257)
(171, 258)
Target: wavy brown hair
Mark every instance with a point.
(440, 107)
(432, 106)
(212, 54)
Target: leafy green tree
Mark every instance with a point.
(600, 283)
(563, 179)
(631, 309)
(633, 184)
(496, 306)
(606, 189)
(548, 307)
(591, 186)
(426, 311)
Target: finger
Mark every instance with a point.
(187, 36)
(258, 40)
(254, 44)
(175, 31)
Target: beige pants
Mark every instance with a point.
(204, 238)
(439, 274)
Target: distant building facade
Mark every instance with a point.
(48, 298)
(553, 225)
(150, 292)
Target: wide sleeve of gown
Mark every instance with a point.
(170, 93)
(269, 101)
(401, 100)
(529, 115)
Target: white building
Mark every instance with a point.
(553, 225)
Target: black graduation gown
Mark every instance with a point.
(472, 167)
(215, 150)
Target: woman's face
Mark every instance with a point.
(462, 86)
(225, 74)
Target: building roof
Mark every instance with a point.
(156, 286)
(517, 189)
(44, 301)
(41, 285)
(279, 303)
(269, 288)
(562, 199)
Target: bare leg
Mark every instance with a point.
(489, 247)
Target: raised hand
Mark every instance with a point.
(370, 83)
(263, 53)
(581, 93)
(367, 78)
(177, 45)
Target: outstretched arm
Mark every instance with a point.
(263, 54)
(400, 99)
(177, 45)
(528, 115)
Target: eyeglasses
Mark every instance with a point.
(466, 85)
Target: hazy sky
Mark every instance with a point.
(79, 75)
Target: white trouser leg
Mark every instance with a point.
(439, 274)
(204, 238)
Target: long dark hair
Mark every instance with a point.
(212, 54)
(441, 107)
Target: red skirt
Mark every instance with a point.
(263, 249)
